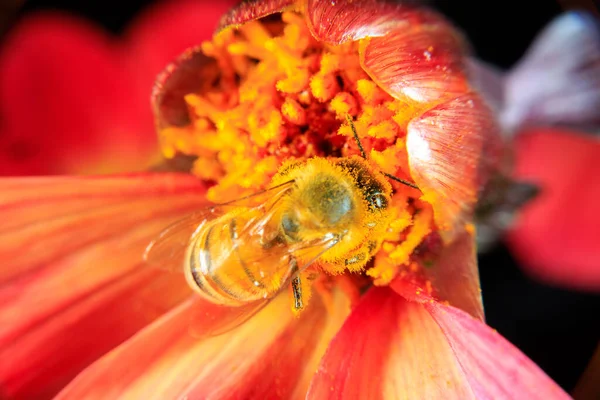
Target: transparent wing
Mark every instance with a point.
(168, 250)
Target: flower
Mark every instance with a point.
(75, 293)
(85, 125)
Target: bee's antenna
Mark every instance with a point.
(364, 155)
(407, 183)
(355, 134)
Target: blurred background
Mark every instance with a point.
(558, 329)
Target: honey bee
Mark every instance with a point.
(330, 210)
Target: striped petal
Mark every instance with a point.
(336, 22)
(272, 355)
(72, 282)
(453, 148)
(393, 348)
(421, 62)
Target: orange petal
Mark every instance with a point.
(265, 357)
(250, 10)
(393, 348)
(452, 149)
(73, 284)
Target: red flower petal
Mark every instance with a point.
(268, 356)
(452, 149)
(73, 283)
(65, 101)
(89, 92)
(556, 236)
(393, 348)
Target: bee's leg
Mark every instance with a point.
(297, 290)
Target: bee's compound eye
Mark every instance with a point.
(378, 201)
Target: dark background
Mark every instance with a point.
(558, 329)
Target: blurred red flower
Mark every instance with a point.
(75, 99)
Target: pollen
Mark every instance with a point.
(282, 96)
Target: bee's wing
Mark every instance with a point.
(168, 250)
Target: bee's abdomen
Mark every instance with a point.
(225, 268)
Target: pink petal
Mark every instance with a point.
(489, 81)
(73, 283)
(393, 348)
(494, 368)
(88, 91)
(556, 236)
(268, 356)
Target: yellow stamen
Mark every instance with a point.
(293, 111)
(344, 104)
(386, 268)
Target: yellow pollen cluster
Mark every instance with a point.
(283, 95)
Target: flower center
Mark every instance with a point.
(284, 96)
